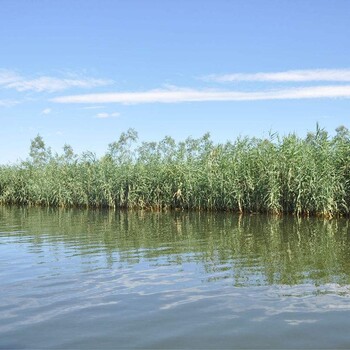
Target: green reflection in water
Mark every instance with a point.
(241, 250)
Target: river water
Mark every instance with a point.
(103, 279)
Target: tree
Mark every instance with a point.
(121, 150)
(38, 152)
(68, 154)
(343, 133)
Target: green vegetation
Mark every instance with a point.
(289, 174)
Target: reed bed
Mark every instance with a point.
(279, 174)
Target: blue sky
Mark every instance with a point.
(81, 72)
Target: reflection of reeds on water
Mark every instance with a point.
(241, 249)
(289, 174)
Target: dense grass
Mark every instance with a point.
(288, 174)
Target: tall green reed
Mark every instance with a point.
(278, 174)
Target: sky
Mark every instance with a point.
(81, 72)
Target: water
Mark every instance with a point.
(98, 279)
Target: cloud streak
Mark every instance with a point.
(191, 95)
(46, 111)
(12, 80)
(326, 75)
(8, 103)
(107, 115)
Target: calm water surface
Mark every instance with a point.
(103, 279)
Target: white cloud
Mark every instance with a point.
(339, 75)
(12, 80)
(191, 95)
(107, 115)
(46, 111)
(51, 84)
(93, 107)
(8, 103)
(8, 77)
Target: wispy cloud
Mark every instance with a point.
(8, 77)
(191, 95)
(52, 84)
(8, 103)
(107, 115)
(46, 111)
(12, 80)
(93, 107)
(327, 75)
